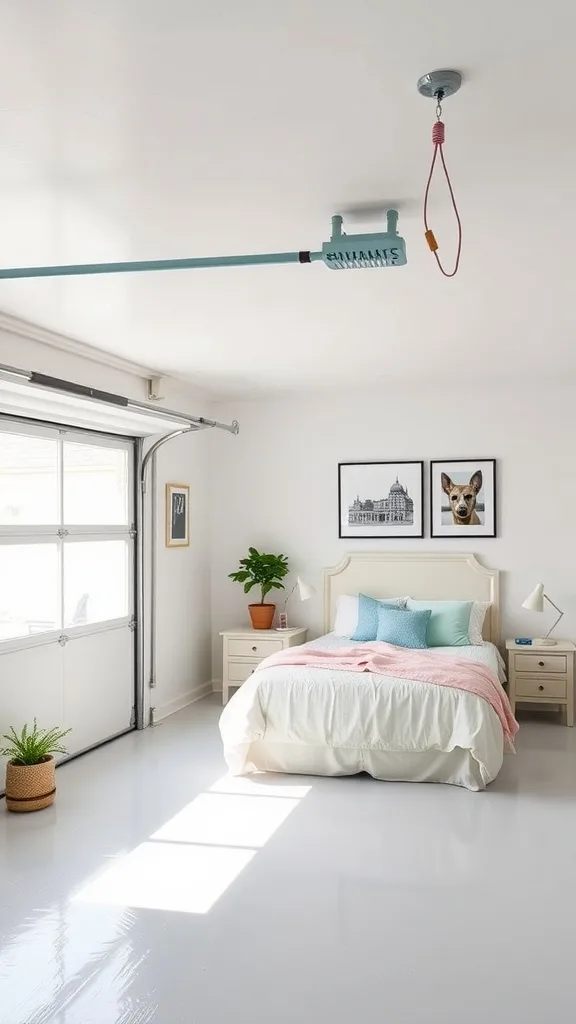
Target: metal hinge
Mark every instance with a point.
(133, 716)
(62, 431)
(133, 531)
(133, 624)
(152, 682)
(63, 533)
(152, 714)
(63, 639)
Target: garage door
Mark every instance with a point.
(66, 581)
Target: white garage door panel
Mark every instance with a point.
(66, 581)
(30, 687)
(98, 686)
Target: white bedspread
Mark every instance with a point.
(294, 718)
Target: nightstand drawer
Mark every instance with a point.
(532, 686)
(253, 648)
(541, 663)
(240, 671)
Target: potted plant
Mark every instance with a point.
(266, 572)
(30, 772)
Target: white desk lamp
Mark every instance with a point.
(535, 603)
(304, 590)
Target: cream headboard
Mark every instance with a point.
(437, 576)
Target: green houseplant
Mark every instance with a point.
(266, 572)
(31, 768)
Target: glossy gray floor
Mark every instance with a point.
(158, 890)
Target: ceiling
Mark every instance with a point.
(140, 129)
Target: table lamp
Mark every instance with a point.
(305, 591)
(535, 603)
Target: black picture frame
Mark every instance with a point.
(393, 503)
(488, 496)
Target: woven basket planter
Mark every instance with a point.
(30, 787)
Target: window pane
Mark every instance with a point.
(29, 589)
(95, 485)
(28, 480)
(95, 581)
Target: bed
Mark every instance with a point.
(308, 720)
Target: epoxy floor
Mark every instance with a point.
(156, 889)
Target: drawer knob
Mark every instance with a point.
(254, 648)
(540, 687)
(540, 663)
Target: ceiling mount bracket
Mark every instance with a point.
(444, 82)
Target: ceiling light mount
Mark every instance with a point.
(439, 84)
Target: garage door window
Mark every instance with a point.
(29, 491)
(65, 531)
(95, 581)
(29, 589)
(95, 485)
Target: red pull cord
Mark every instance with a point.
(438, 142)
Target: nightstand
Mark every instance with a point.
(244, 649)
(542, 675)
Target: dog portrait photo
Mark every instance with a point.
(463, 498)
(380, 499)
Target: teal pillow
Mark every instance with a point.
(449, 622)
(403, 628)
(367, 625)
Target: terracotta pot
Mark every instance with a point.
(30, 787)
(262, 615)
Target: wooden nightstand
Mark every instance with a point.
(244, 649)
(542, 675)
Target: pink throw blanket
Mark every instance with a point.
(385, 659)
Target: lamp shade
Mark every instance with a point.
(535, 601)
(304, 589)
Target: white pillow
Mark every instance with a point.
(347, 613)
(476, 624)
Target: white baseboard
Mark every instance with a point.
(183, 701)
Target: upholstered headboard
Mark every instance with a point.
(437, 576)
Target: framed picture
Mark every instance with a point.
(463, 498)
(380, 499)
(177, 515)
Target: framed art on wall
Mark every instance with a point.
(380, 499)
(177, 515)
(463, 498)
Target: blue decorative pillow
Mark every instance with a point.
(403, 628)
(367, 625)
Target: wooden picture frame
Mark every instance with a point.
(177, 515)
(381, 500)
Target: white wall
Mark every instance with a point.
(276, 487)
(183, 662)
(183, 581)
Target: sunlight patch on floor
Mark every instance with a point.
(191, 860)
(168, 876)
(225, 820)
